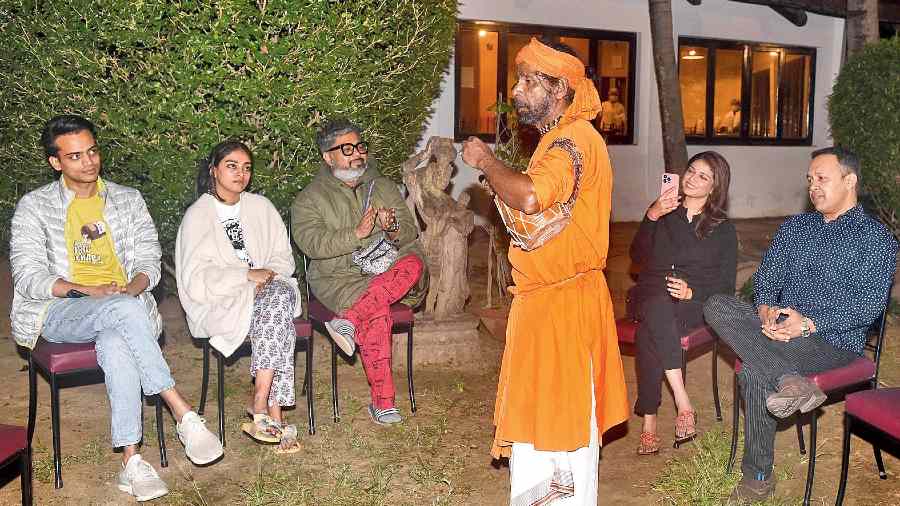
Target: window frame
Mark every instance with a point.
(748, 47)
(503, 29)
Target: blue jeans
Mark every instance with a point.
(127, 351)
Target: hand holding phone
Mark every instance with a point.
(668, 199)
(668, 181)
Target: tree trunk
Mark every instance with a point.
(862, 24)
(668, 87)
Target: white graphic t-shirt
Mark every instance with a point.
(229, 217)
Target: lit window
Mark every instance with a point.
(486, 73)
(745, 93)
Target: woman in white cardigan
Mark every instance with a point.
(234, 266)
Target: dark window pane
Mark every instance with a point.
(613, 62)
(581, 46)
(692, 65)
(796, 74)
(727, 108)
(514, 42)
(477, 80)
(764, 93)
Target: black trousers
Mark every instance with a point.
(764, 362)
(658, 341)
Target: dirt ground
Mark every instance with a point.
(439, 455)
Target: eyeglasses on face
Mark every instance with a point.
(347, 148)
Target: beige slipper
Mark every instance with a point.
(263, 428)
(289, 442)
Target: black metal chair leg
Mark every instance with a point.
(715, 380)
(334, 387)
(160, 433)
(801, 441)
(54, 422)
(32, 398)
(879, 462)
(308, 386)
(811, 471)
(736, 415)
(25, 462)
(845, 461)
(409, 368)
(220, 365)
(684, 366)
(204, 380)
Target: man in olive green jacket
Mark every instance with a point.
(347, 207)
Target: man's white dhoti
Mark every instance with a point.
(561, 478)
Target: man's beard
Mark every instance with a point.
(350, 174)
(532, 115)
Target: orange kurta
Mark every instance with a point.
(561, 335)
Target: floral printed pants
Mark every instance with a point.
(272, 339)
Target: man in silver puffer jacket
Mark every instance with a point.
(84, 254)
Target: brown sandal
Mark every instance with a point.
(649, 444)
(685, 427)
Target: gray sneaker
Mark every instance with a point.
(749, 491)
(794, 392)
(343, 332)
(200, 445)
(388, 416)
(139, 479)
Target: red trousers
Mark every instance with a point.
(371, 314)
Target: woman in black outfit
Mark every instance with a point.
(688, 251)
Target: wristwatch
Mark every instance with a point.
(804, 327)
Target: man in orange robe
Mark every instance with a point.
(561, 382)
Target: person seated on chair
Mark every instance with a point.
(84, 256)
(822, 282)
(234, 264)
(687, 232)
(730, 122)
(346, 209)
(613, 116)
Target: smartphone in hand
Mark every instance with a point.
(667, 182)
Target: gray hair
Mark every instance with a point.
(332, 130)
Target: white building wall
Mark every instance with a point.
(766, 180)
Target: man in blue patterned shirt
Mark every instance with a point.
(822, 283)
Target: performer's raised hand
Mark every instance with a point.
(476, 152)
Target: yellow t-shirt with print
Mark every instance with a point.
(92, 258)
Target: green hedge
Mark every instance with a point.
(166, 80)
(865, 117)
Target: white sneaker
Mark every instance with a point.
(200, 445)
(139, 479)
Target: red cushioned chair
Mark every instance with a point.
(15, 449)
(60, 362)
(861, 374)
(303, 331)
(873, 415)
(698, 338)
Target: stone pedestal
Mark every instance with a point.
(452, 341)
(494, 320)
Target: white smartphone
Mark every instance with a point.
(668, 181)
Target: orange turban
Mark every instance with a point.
(545, 59)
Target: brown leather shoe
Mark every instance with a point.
(794, 392)
(649, 444)
(749, 491)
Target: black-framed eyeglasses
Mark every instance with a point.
(361, 147)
